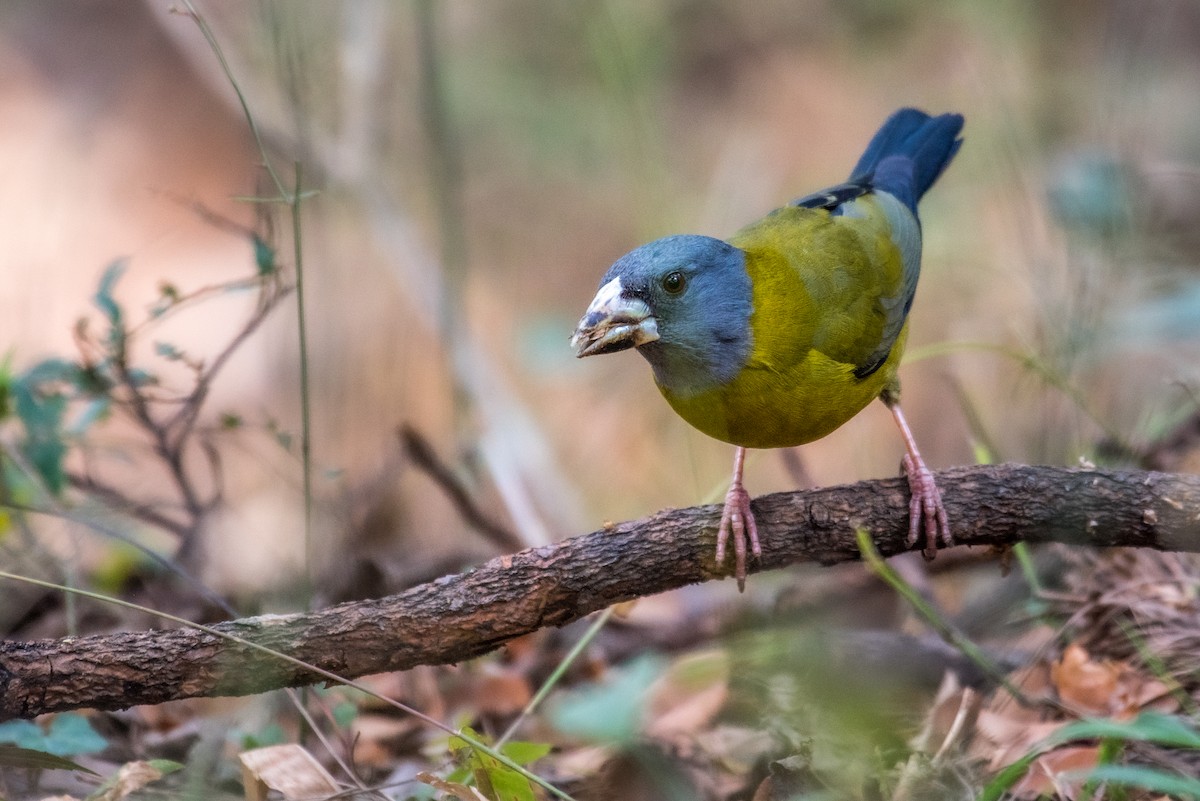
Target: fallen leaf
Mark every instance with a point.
(1045, 776)
(1093, 688)
(500, 690)
(287, 769)
(460, 791)
(379, 738)
(1003, 739)
(1086, 687)
(132, 777)
(1034, 684)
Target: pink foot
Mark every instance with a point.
(737, 521)
(925, 508)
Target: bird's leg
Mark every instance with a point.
(925, 508)
(738, 521)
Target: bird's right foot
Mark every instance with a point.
(925, 510)
(737, 522)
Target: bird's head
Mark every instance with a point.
(684, 302)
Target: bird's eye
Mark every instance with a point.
(674, 282)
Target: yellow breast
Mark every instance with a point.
(762, 408)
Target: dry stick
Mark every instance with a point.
(115, 498)
(170, 435)
(458, 617)
(421, 451)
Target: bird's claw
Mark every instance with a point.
(925, 509)
(737, 521)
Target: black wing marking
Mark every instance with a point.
(864, 370)
(833, 197)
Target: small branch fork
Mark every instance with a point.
(462, 616)
(172, 434)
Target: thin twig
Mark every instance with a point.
(944, 628)
(206, 31)
(560, 670)
(964, 719)
(305, 384)
(119, 500)
(185, 419)
(421, 451)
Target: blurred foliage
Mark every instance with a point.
(493, 778)
(67, 735)
(31, 759)
(610, 711)
(1065, 239)
(42, 396)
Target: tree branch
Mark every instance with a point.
(462, 616)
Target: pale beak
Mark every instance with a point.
(613, 323)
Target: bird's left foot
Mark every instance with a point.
(925, 509)
(737, 521)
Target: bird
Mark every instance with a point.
(785, 331)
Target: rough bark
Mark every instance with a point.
(462, 616)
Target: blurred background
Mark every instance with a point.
(469, 172)
(475, 169)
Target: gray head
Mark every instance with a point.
(684, 302)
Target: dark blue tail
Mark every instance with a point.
(908, 154)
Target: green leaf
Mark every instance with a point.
(119, 563)
(18, 486)
(92, 382)
(345, 713)
(165, 766)
(1151, 779)
(168, 351)
(104, 299)
(612, 711)
(1149, 726)
(41, 414)
(981, 452)
(92, 412)
(1007, 777)
(6, 380)
(141, 378)
(21, 732)
(460, 775)
(271, 734)
(507, 784)
(12, 756)
(497, 781)
(264, 257)
(1152, 727)
(52, 370)
(42, 394)
(460, 748)
(168, 296)
(525, 753)
(71, 735)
